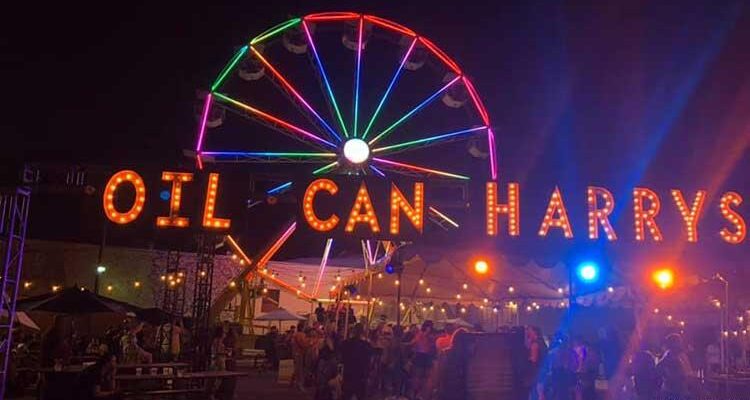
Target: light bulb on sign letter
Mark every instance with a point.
(511, 209)
(728, 200)
(177, 179)
(356, 216)
(125, 176)
(646, 218)
(308, 205)
(690, 216)
(556, 206)
(599, 215)
(209, 221)
(399, 202)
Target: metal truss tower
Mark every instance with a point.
(14, 214)
(204, 273)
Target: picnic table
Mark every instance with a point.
(171, 384)
(184, 376)
(154, 365)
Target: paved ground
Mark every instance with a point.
(264, 387)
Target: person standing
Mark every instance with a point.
(320, 314)
(356, 353)
(424, 355)
(56, 346)
(644, 373)
(537, 354)
(270, 345)
(299, 348)
(674, 369)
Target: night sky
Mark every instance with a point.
(617, 94)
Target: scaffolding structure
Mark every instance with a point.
(203, 282)
(173, 296)
(173, 300)
(14, 214)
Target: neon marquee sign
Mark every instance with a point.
(397, 210)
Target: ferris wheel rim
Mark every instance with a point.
(329, 139)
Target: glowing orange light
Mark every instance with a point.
(728, 200)
(690, 215)
(209, 221)
(663, 278)
(600, 215)
(362, 212)
(556, 206)
(177, 179)
(415, 214)
(481, 267)
(646, 218)
(511, 209)
(109, 197)
(308, 201)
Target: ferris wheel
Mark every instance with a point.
(368, 96)
(344, 93)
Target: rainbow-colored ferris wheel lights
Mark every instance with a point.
(365, 141)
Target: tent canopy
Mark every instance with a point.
(280, 314)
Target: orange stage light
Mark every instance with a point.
(481, 267)
(663, 278)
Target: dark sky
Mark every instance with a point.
(616, 93)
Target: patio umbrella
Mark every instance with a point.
(74, 300)
(153, 315)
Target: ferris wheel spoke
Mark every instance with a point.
(421, 105)
(288, 86)
(358, 75)
(326, 168)
(279, 189)
(396, 75)
(323, 265)
(404, 167)
(229, 68)
(324, 77)
(377, 171)
(428, 141)
(202, 129)
(299, 132)
(266, 157)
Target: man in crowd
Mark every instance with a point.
(355, 353)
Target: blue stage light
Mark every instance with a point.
(588, 272)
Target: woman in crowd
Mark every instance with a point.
(424, 354)
(299, 344)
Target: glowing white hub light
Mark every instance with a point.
(356, 151)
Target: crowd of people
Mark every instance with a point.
(388, 361)
(336, 357)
